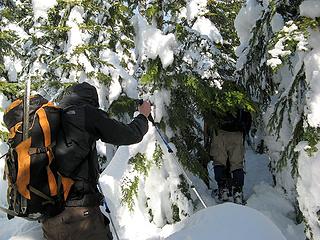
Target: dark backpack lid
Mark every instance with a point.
(80, 94)
(14, 113)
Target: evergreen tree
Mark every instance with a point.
(273, 65)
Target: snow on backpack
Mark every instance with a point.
(35, 187)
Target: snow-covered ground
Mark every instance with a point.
(227, 221)
(268, 215)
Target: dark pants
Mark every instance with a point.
(225, 179)
(80, 223)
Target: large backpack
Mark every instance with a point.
(241, 121)
(35, 187)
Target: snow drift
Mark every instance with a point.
(227, 221)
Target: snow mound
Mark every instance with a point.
(226, 222)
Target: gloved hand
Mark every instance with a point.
(145, 108)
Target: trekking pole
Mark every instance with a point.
(26, 106)
(150, 118)
(192, 185)
(25, 130)
(3, 155)
(108, 211)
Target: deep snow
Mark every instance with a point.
(267, 214)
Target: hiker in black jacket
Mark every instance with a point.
(76, 157)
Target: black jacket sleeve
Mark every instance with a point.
(99, 125)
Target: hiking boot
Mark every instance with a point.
(223, 195)
(238, 197)
(220, 195)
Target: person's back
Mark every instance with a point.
(76, 157)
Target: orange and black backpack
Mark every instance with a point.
(35, 187)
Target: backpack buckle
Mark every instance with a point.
(38, 150)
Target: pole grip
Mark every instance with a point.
(150, 118)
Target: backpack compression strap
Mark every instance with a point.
(44, 123)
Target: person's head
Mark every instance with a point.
(80, 94)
